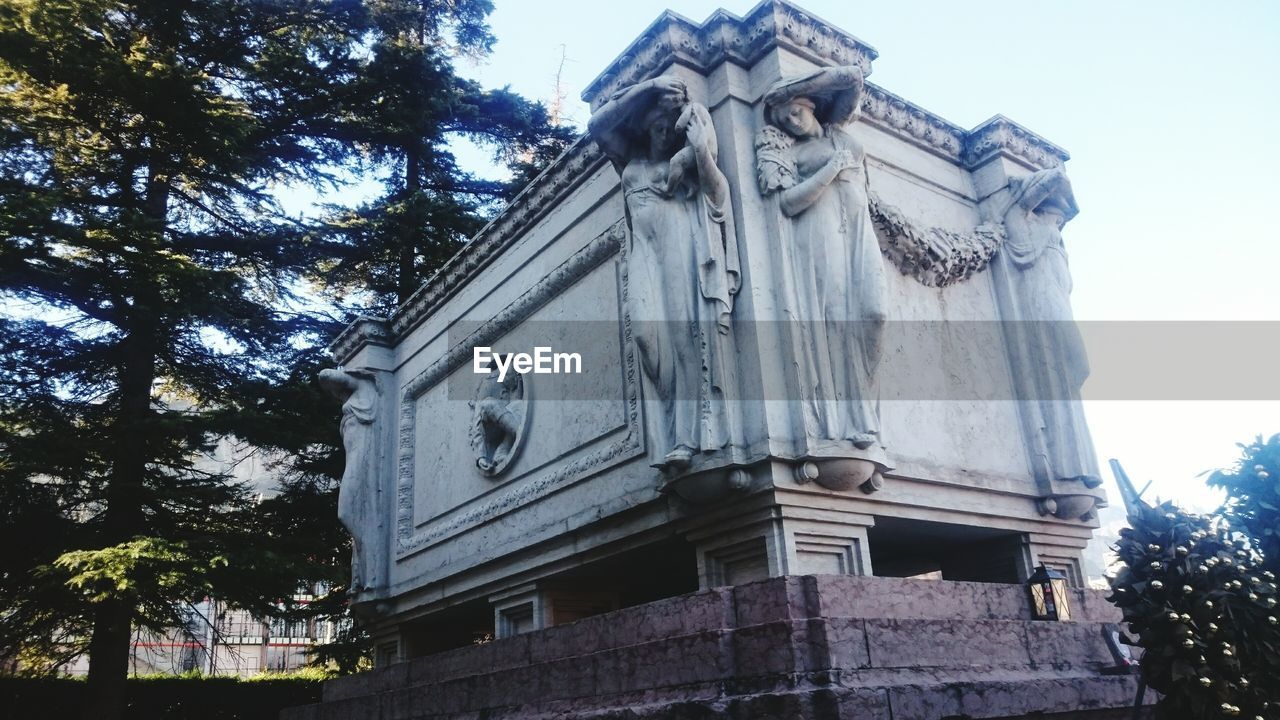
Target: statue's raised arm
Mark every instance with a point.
(839, 90)
(1038, 207)
(682, 264)
(617, 125)
(695, 122)
(1031, 191)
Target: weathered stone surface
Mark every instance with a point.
(899, 643)
(995, 699)
(728, 424)
(927, 599)
(730, 351)
(761, 650)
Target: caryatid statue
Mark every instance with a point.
(1053, 363)
(682, 263)
(358, 505)
(837, 288)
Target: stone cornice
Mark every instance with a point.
(573, 166)
(362, 331)
(673, 38)
(912, 123)
(967, 148)
(723, 37)
(1000, 135)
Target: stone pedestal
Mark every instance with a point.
(812, 647)
(780, 533)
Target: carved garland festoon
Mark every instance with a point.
(934, 256)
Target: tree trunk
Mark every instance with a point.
(407, 280)
(123, 519)
(109, 648)
(108, 662)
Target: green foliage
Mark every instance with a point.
(1204, 611)
(154, 296)
(147, 277)
(1253, 496)
(191, 697)
(311, 673)
(406, 107)
(139, 568)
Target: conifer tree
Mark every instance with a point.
(148, 280)
(146, 275)
(403, 110)
(410, 105)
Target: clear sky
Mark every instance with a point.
(1169, 111)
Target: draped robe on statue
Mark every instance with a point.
(682, 275)
(838, 290)
(1049, 342)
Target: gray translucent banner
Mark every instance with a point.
(918, 360)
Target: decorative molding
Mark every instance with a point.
(362, 331)
(572, 167)
(933, 256)
(912, 123)
(606, 245)
(673, 38)
(1002, 135)
(968, 148)
(723, 37)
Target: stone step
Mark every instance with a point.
(777, 647)
(818, 696)
(857, 611)
(828, 644)
(896, 657)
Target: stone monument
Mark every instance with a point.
(761, 401)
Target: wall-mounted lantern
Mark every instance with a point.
(1048, 589)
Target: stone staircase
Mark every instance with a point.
(795, 647)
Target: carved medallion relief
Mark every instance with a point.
(499, 417)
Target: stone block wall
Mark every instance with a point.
(794, 647)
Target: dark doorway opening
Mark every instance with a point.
(942, 551)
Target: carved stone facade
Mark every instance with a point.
(410, 536)
(802, 307)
